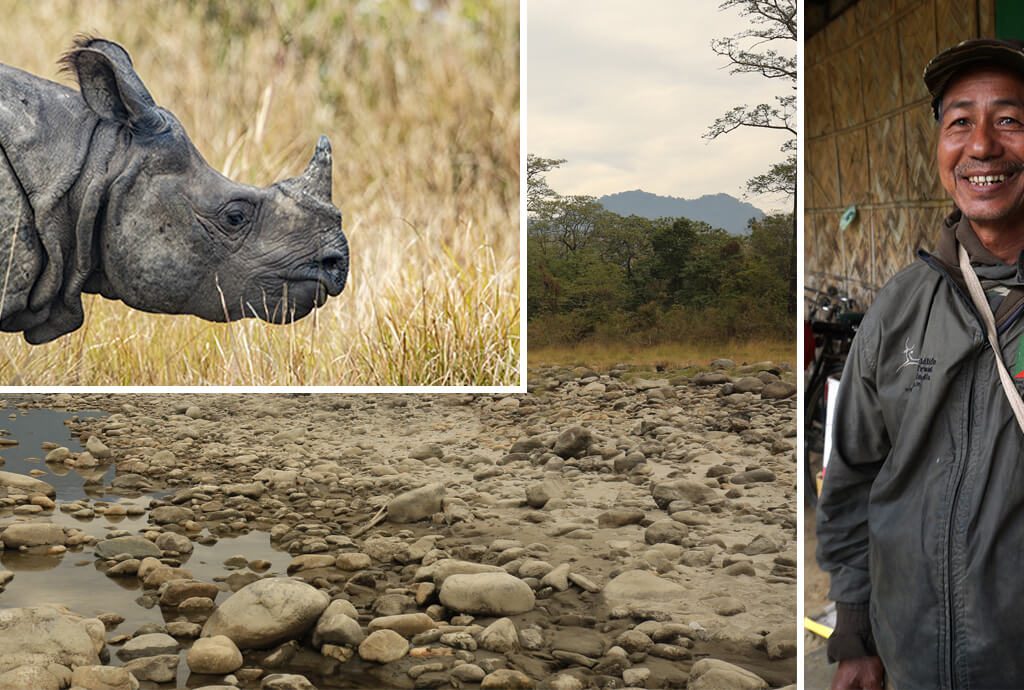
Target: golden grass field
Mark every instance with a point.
(420, 100)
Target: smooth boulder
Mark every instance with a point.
(267, 612)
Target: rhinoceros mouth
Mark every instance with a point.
(330, 272)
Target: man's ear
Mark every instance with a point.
(110, 86)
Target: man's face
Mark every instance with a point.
(981, 148)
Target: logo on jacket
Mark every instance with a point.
(924, 366)
(910, 360)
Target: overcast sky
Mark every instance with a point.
(624, 90)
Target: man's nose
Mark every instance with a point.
(984, 142)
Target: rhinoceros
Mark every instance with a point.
(102, 191)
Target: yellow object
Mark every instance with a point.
(817, 628)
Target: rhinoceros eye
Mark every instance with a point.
(237, 214)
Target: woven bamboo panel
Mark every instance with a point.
(925, 225)
(987, 17)
(904, 4)
(831, 244)
(917, 47)
(890, 229)
(859, 245)
(880, 72)
(887, 159)
(852, 149)
(812, 247)
(955, 22)
(817, 101)
(872, 14)
(822, 173)
(847, 101)
(922, 175)
(842, 31)
(815, 50)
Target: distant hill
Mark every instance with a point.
(717, 210)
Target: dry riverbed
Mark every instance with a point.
(609, 529)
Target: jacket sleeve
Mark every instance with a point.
(860, 444)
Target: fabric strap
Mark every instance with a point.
(981, 304)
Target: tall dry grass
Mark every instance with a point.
(420, 99)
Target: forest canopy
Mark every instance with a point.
(595, 275)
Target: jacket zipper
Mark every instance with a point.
(950, 536)
(961, 473)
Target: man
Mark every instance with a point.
(921, 519)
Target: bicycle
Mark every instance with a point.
(828, 333)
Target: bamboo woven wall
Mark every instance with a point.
(870, 137)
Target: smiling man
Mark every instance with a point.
(921, 519)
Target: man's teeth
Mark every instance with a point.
(986, 179)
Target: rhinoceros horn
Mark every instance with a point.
(315, 181)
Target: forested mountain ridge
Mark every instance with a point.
(593, 274)
(717, 210)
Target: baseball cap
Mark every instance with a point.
(978, 51)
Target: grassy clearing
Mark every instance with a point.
(422, 109)
(671, 356)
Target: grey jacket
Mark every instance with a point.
(922, 512)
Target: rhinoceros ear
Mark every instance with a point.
(315, 181)
(110, 86)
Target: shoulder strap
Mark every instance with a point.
(981, 303)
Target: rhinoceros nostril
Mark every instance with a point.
(335, 264)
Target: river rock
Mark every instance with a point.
(97, 448)
(103, 678)
(286, 681)
(152, 644)
(177, 591)
(214, 655)
(29, 677)
(172, 541)
(405, 624)
(501, 636)
(642, 586)
(310, 561)
(748, 384)
(42, 635)
(167, 515)
(688, 490)
(134, 546)
(506, 679)
(418, 504)
(336, 627)
(29, 485)
(493, 594)
(666, 532)
(32, 534)
(711, 378)
(573, 442)
(158, 669)
(383, 646)
(538, 495)
(267, 612)
(781, 644)
(713, 674)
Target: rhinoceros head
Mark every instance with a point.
(175, 236)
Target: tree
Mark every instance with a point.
(757, 51)
(537, 190)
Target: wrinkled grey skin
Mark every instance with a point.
(103, 192)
